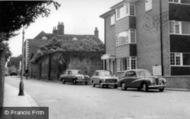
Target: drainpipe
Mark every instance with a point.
(161, 38)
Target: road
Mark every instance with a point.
(67, 101)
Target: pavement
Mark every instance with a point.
(11, 98)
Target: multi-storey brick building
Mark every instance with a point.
(134, 37)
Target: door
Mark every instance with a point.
(130, 78)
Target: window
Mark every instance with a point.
(176, 59)
(186, 59)
(128, 9)
(132, 9)
(113, 19)
(126, 63)
(126, 37)
(131, 73)
(148, 5)
(175, 27)
(174, 1)
(133, 35)
(133, 62)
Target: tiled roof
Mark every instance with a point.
(37, 42)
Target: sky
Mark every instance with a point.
(79, 17)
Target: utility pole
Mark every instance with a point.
(21, 85)
(161, 39)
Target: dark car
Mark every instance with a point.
(104, 78)
(141, 79)
(75, 76)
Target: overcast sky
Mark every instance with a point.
(79, 17)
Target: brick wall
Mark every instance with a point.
(89, 63)
(178, 82)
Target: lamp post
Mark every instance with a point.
(21, 85)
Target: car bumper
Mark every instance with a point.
(156, 86)
(109, 84)
(81, 80)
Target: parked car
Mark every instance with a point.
(141, 79)
(119, 74)
(13, 74)
(75, 76)
(104, 78)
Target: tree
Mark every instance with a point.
(15, 15)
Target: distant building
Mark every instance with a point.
(134, 37)
(32, 46)
(13, 64)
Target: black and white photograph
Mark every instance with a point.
(94, 59)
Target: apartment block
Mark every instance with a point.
(148, 34)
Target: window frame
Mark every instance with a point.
(112, 19)
(128, 38)
(173, 1)
(125, 11)
(128, 63)
(176, 55)
(173, 25)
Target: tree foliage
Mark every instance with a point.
(16, 14)
(85, 45)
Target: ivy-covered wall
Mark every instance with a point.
(179, 43)
(51, 66)
(179, 12)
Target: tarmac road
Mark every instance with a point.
(68, 101)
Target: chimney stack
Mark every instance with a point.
(96, 32)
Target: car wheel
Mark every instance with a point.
(86, 83)
(161, 89)
(123, 86)
(93, 84)
(145, 87)
(74, 81)
(101, 85)
(115, 86)
(63, 81)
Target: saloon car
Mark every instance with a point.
(142, 80)
(104, 78)
(75, 76)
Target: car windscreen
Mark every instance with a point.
(143, 74)
(105, 73)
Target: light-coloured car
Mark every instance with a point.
(142, 80)
(104, 78)
(75, 76)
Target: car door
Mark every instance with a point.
(130, 77)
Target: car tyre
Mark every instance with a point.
(74, 81)
(86, 83)
(101, 85)
(145, 87)
(115, 86)
(123, 86)
(161, 89)
(63, 81)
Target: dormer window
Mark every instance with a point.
(75, 39)
(44, 38)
